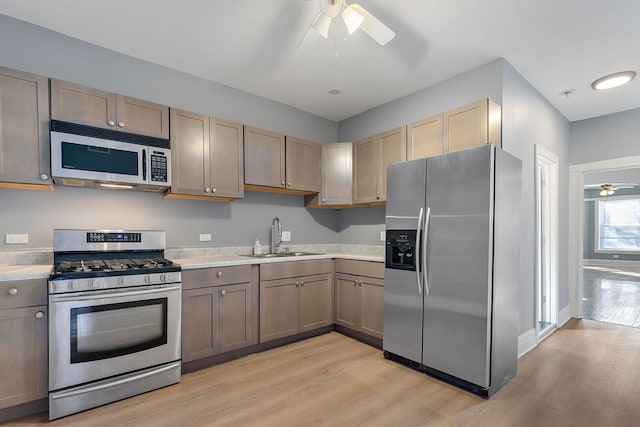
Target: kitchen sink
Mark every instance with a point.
(283, 255)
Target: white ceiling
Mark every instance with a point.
(251, 45)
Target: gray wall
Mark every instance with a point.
(529, 119)
(607, 137)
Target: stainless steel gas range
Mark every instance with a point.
(114, 322)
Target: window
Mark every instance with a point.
(618, 225)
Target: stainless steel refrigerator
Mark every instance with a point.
(452, 266)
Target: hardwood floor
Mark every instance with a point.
(612, 295)
(585, 374)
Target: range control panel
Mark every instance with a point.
(99, 237)
(401, 249)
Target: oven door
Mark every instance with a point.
(99, 334)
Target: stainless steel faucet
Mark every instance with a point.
(276, 233)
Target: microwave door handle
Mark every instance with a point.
(144, 164)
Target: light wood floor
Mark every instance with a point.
(586, 374)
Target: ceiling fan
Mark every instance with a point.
(609, 189)
(354, 16)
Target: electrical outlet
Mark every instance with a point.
(205, 237)
(17, 239)
(286, 236)
(382, 236)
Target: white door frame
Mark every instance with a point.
(576, 221)
(546, 156)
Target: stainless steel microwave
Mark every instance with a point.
(90, 161)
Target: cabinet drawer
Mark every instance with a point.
(360, 268)
(27, 293)
(282, 270)
(203, 277)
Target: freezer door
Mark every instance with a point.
(402, 293)
(456, 333)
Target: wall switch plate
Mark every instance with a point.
(382, 236)
(205, 237)
(17, 239)
(286, 236)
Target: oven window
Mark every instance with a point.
(99, 159)
(112, 330)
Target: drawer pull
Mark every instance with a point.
(13, 291)
(39, 315)
(219, 274)
(223, 292)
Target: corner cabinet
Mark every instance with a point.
(219, 310)
(336, 177)
(472, 125)
(23, 339)
(371, 157)
(295, 297)
(206, 158)
(360, 296)
(279, 164)
(24, 131)
(74, 103)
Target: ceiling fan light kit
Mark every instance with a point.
(354, 17)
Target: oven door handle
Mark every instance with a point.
(112, 294)
(110, 383)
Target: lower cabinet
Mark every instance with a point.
(360, 296)
(295, 297)
(219, 311)
(23, 340)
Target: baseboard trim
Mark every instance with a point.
(526, 342)
(611, 263)
(564, 316)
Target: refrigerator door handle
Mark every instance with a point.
(424, 251)
(418, 244)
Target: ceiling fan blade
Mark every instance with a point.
(321, 24)
(373, 27)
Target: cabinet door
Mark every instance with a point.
(472, 125)
(316, 302)
(23, 359)
(393, 149)
(347, 300)
(278, 309)
(236, 313)
(24, 128)
(74, 103)
(189, 153)
(336, 174)
(371, 306)
(199, 323)
(302, 165)
(142, 117)
(424, 138)
(226, 159)
(365, 170)
(264, 158)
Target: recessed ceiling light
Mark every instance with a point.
(334, 92)
(613, 80)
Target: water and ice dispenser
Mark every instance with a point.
(401, 249)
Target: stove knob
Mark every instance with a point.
(163, 277)
(147, 279)
(73, 284)
(120, 281)
(95, 283)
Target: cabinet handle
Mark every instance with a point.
(219, 274)
(213, 190)
(288, 184)
(39, 314)
(282, 182)
(223, 292)
(13, 291)
(377, 197)
(302, 283)
(111, 123)
(207, 190)
(44, 177)
(324, 200)
(297, 283)
(121, 124)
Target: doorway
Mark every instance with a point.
(547, 189)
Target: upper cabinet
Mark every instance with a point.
(336, 177)
(371, 157)
(24, 134)
(424, 138)
(74, 103)
(471, 125)
(278, 164)
(206, 158)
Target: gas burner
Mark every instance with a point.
(81, 266)
(151, 262)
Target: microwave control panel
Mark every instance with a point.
(159, 167)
